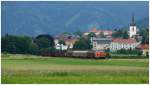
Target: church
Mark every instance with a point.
(133, 29)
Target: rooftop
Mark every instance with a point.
(120, 40)
(94, 38)
(143, 46)
(95, 30)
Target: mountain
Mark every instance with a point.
(143, 23)
(34, 18)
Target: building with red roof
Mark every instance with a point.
(119, 43)
(144, 48)
(97, 32)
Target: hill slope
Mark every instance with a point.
(33, 18)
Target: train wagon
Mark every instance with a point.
(80, 54)
(87, 54)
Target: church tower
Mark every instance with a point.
(132, 29)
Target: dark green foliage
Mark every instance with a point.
(62, 42)
(117, 33)
(46, 50)
(15, 44)
(66, 33)
(33, 48)
(145, 34)
(125, 34)
(91, 34)
(44, 41)
(102, 35)
(121, 34)
(128, 52)
(82, 44)
(78, 33)
(26, 45)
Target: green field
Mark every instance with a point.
(36, 69)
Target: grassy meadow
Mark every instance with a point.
(24, 69)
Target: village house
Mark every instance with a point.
(59, 46)
(101, 44)
(119, 43)
(144, 48)
(68, 39)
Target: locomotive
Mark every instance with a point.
(79, 54)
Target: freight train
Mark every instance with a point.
(78, 54)
(87, 54)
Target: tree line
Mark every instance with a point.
(41, 44)
(26, 44)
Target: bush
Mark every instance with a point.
(5, 54)
(128, 52)
(129, 57)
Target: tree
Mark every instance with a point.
(91, 34)
(117, 34)
(15, 44)
(144, 32)
(45, 44)
(102, 35)
(44, 41)
(33, 48)
(82, 44)
(121, 33)
(125, 34)
(62, 42)
(66, 33)
(78, 33)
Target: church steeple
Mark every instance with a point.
(132, 29)
(133, 21)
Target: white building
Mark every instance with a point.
(60, 47)
(101, 44)
(68, 39)
(132, 28)
(119, 43)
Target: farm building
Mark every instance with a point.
(119, 43)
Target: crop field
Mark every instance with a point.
(25, 69)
